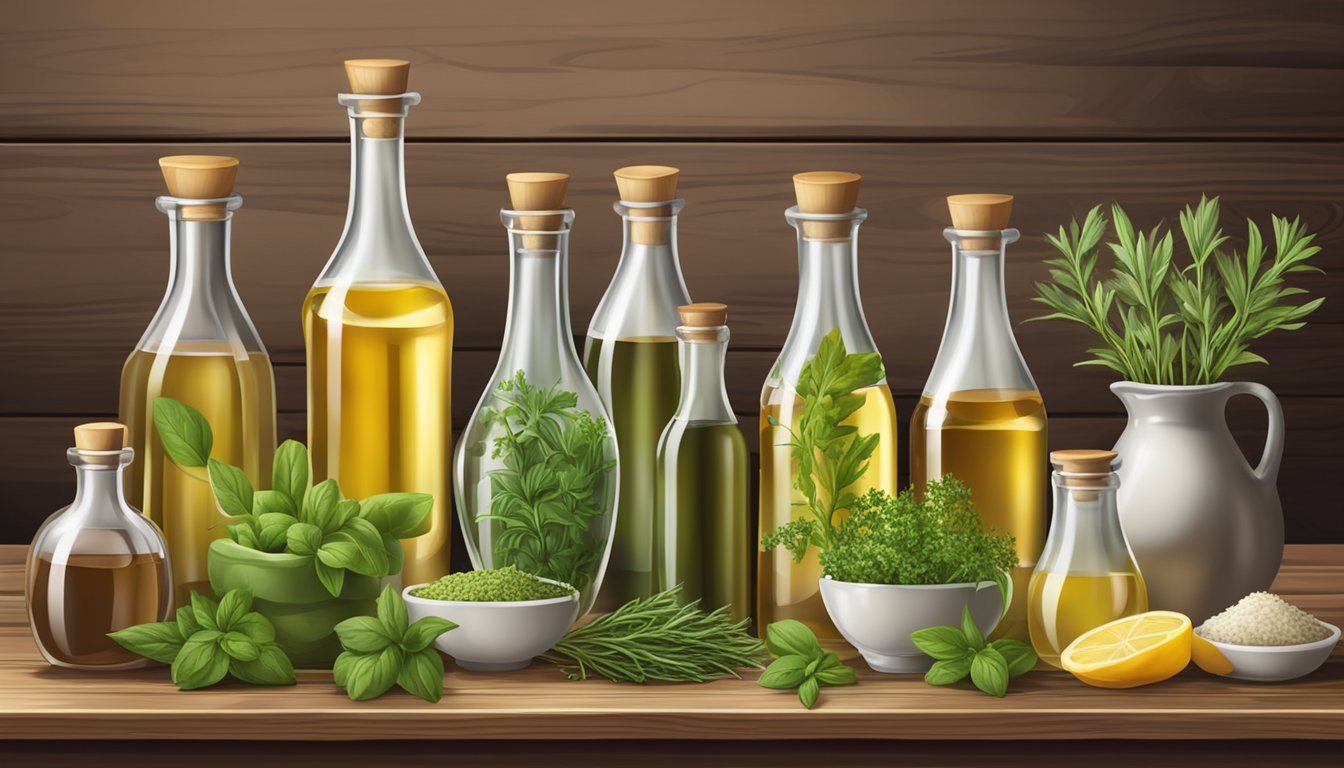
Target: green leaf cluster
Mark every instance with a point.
(210, 640)
(388, 650)
(962, 651)
(659, 638)
(553, 489)
(830, 456)
(1162, 323)
(800, 663)
(295, 516)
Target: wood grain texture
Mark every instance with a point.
(608, 68)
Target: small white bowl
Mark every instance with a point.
(1272, 663)
(497, 636)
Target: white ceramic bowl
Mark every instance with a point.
(1271, 663)
(494, 637)
(878, 618)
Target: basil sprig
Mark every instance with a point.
(962, 651)
(210, 640)
(801, 663)
(387, 650)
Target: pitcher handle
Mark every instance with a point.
(1268, 470)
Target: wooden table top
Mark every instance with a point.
(41, 702)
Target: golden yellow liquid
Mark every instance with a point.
(789, 590)
(994, 441)
(379, 415)
(237, 398)
(1063, 606)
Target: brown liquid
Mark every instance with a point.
(72, 606)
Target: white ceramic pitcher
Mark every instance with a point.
(1205, 527)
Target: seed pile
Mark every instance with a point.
(499, 585)
(1262, 618)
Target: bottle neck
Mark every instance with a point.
(537, 334)
(704, 397)
(647, 287)
(1085, 533)
(99, 483)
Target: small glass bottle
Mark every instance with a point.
(981, 418)
(1087, 575)
(827, 222)
(631, 356)
(701, 538)
(536, 470)
(98, 565)
(200, 349)
(378, 329)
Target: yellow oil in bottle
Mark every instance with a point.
(379, 416)
(994, 441)
(1065, 605)
(789, 590)
(237, 397)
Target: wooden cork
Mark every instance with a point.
(199, 177)
(539, 192)
(984, 212)
(701, 321)
(648, 184)
(102, 437)
(826, 192)
(1092, 467)
(385, 77)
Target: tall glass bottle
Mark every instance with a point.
(379, 331)
(700, 531)
(536, 470)
(631, 356)
(828, 300)
(981, 418)
(200, 349)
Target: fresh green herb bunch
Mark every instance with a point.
(800, 663)
(554, 489)
(210, 640)
(659, 638)
(830, 456)
(295, 516)
(962, 651)
(498, 585)
(1162, 323)
(389, 650)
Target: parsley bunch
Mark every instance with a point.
(962, 651)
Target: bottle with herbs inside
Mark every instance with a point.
(200, 349)
(536, 469)
(631, 356)
(379, 331)
(97, 566)
(981, 418)
(828, 424)
(700, 530)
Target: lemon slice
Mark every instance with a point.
(1136, 650)
(1207, 656)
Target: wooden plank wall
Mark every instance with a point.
(1064, 103)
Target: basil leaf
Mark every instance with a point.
(346, 510)
(204, 610)
(370, 555)
(841, 675)
(369, 676)
(256, 627)
(941, 642)
(809, 691)
(186, 622)
(392, 612)
(400, 514)
(201, 662)
(244, 536)
(269, 519)
(273, 503)
(303, 539)
(948, 671)
(319, 506)
(829, 661)
(340, 671)
(332, 578)
(791, 638)
(396, 556)
(239, 646)
(184, 432)
(364, 634)
(160, 640)
(423, 632)
(784, 673)
(338, 550)
(1005, 584)
(1019, 656)
(290, 474)
(273, 538)
(235, 604)
(271, 667)
(974, 639)
(422, 675)
(989, 672)
(233, 491)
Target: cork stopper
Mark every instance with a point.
(384, 77)
(538, 192)
(102, 437)
(984, 212)
(826, 192)
(648, 184)
(1087, 468)
(199, 177)
(702, 320)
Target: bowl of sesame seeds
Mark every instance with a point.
(1268, 639)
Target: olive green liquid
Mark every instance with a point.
(700, 533)
(640, 385)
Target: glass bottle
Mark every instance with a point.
(1087, 575)
(536, 470)
(98, 565)
(828, 299)
(631, 356)
(980, 417)
(701, 538)
(200, 349)
(379, 332)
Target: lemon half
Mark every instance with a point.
(1136, 650)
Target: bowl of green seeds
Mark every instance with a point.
(505, 616)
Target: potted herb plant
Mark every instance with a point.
(1205, 526)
